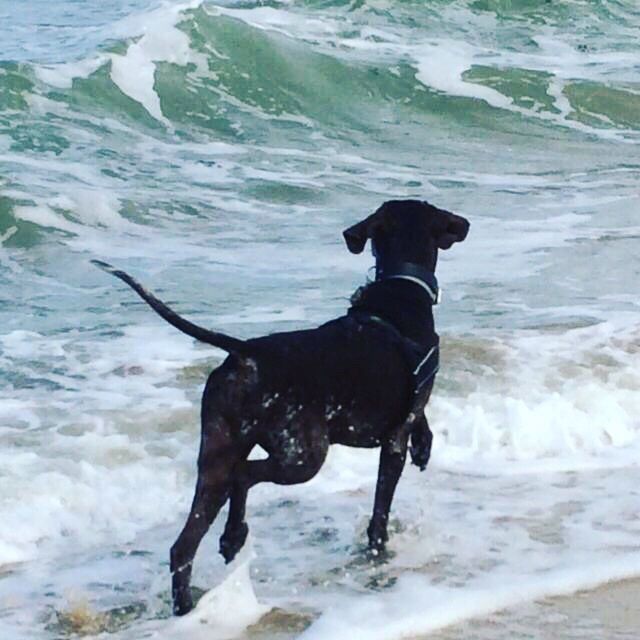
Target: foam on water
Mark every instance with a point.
(553, 403)
(416, 607)
(440, 63)
(134, 72)
(442, 66)
(568, 397)
(63, 74)
(211, 619)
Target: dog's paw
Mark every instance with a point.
(378, 537)
(420, 452)
(182, 602)
(232, 540)
(420, 456)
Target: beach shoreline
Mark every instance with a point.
(608, 611)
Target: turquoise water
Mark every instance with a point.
(217, 151)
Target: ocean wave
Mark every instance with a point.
(565, 396)
(533, 401)
(230, 70)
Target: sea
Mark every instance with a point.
(216, 150)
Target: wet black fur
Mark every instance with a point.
(348, 381)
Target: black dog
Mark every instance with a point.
(362, 380)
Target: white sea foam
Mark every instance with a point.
(527, 482)
(62, 75)
(44, 216)
(156, 39)
(416, 606)
(441, 66)
(569, 403)
(81, 212)
(442, 61)
(134, 72)
(211, 617)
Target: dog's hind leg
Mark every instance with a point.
(246, 474)
(215, 465)
(296, 462)
(393, 454)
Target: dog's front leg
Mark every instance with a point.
(421, 440)
(421, 436)
(393, 454)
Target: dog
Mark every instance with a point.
(361, 380)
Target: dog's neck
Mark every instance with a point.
(412, 272)
(405, 300)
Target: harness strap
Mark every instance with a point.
(426, 368)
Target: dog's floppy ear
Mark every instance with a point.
(455, 230)
(357, 235)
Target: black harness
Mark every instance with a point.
(427, 368)
(425, 361)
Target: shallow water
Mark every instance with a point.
(216, 151)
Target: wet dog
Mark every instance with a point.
(361, 380)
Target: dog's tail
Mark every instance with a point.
(220, 340)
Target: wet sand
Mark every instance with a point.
(610, 612)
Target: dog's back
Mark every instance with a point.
(350, 375)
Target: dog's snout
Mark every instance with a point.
(458, 226)
(452, 228)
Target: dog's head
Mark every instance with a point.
(407, 231)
